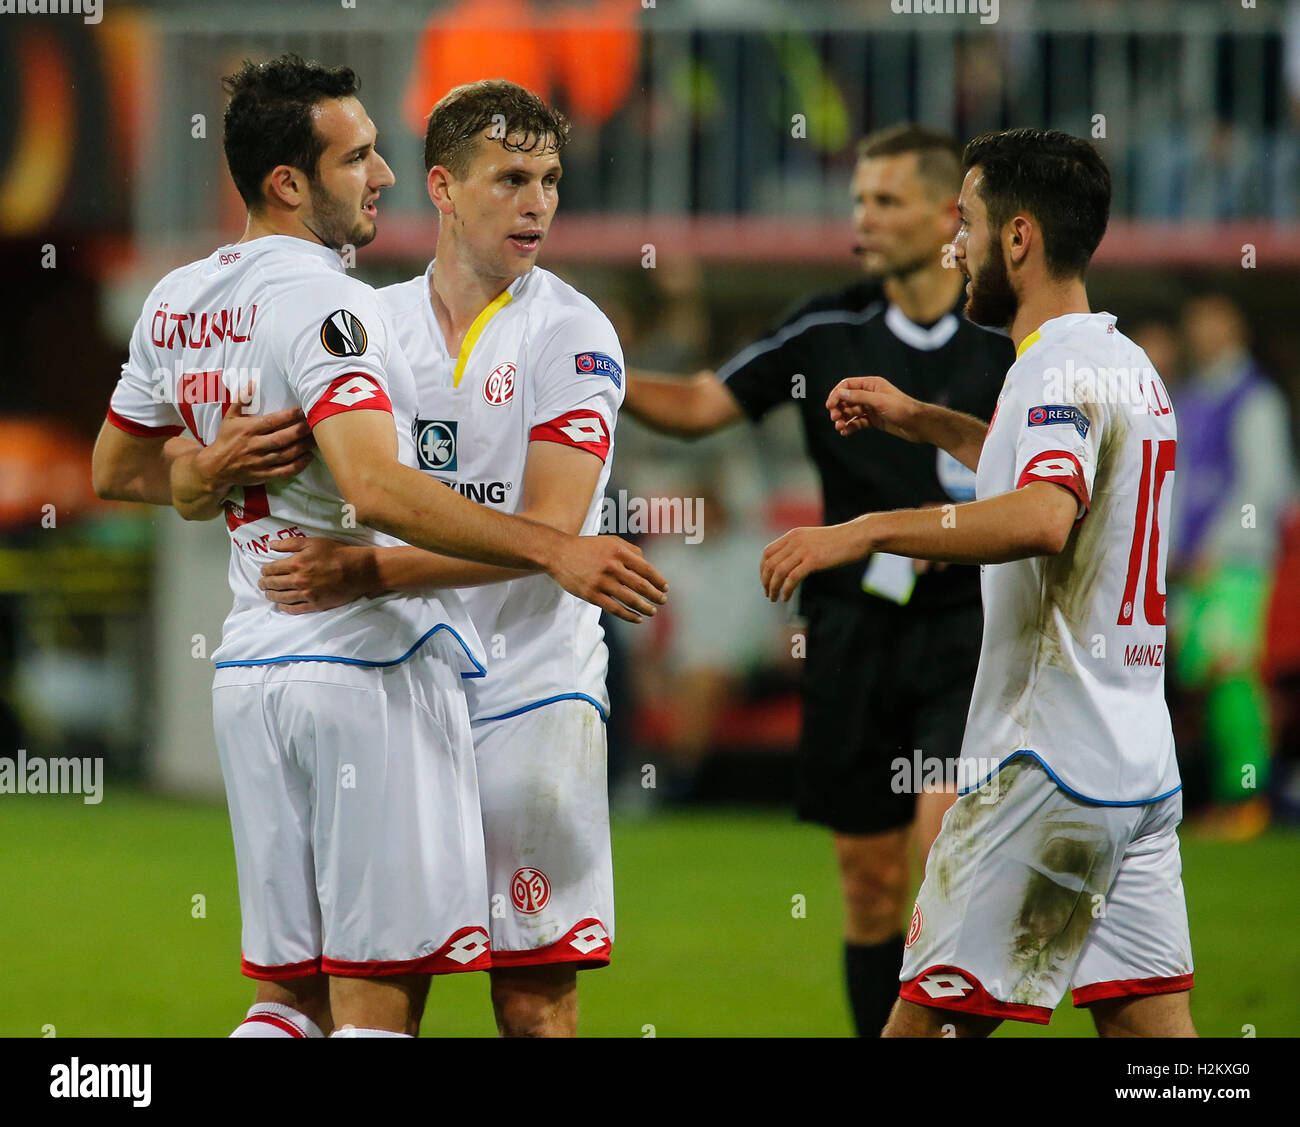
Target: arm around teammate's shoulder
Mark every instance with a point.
(687, 407)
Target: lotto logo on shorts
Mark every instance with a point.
(530, 891)
(945, 984)
(466, 945)
(589, 936)
(914, 929)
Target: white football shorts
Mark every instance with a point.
(545, 804)
(354, 809)
(1029, 892)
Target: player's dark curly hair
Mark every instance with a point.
(268, 118)
(520, 120)
(1059, 180)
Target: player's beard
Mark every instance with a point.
(334, 221)
(992, 301)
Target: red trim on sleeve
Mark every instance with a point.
(277, 973)
(585, 429)
(1130, 988)
(950, 988)
(469, 948)
(352, 391)
(279, 1023)
(139, 429)
(1062, 468)
(586, 944)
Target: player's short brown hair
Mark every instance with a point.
(518, 118)
(938, 154)
(268, 120)
(1058, 179)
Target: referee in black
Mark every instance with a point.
(888, 671)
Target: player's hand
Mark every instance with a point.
(869, 401)
(612, 574)
(256, 449)
(801, 551)
(318, 574)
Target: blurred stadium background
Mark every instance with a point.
(696, 207)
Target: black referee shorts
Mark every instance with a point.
(880, 681)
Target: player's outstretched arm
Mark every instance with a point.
(360, 448)
(1035, 520)
(685, 407)
(320, 574)
(869, 401)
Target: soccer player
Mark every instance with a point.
(344, 737)
(518, 380)
(889, 668)
(1059, 865)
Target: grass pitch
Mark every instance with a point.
(122, 920)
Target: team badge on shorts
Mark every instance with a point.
(914, 928)
(499, 387)
(342, 334)
(530, 891)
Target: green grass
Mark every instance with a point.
(98, 934)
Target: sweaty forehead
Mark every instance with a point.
(343, 122)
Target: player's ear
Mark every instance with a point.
(286, 186)
(1019, 237)
(439, 187)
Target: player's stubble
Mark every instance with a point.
(992, 300)
(335, 222)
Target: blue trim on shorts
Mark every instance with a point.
(542, 703)
(1072, 793)
(482, 671)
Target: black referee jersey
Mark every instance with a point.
(857, 332)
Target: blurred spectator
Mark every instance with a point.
(1233, 483)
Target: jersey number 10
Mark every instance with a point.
(1149, 487)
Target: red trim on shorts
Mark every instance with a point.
(279, 1022)
(967, 996)
(139, 429)
(468, 948)
(586, 951)
(1130, 988)
(277, 973)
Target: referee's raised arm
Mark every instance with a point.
(683, 406)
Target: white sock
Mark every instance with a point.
(353, 1031)
(270, 1019)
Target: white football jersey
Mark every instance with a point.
(540, 363)
(1072, 664)
(281, 314)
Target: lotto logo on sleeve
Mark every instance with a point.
(588, 362)
(1049, 414)
(354, 391)
(1062, 468)
(584, 429)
